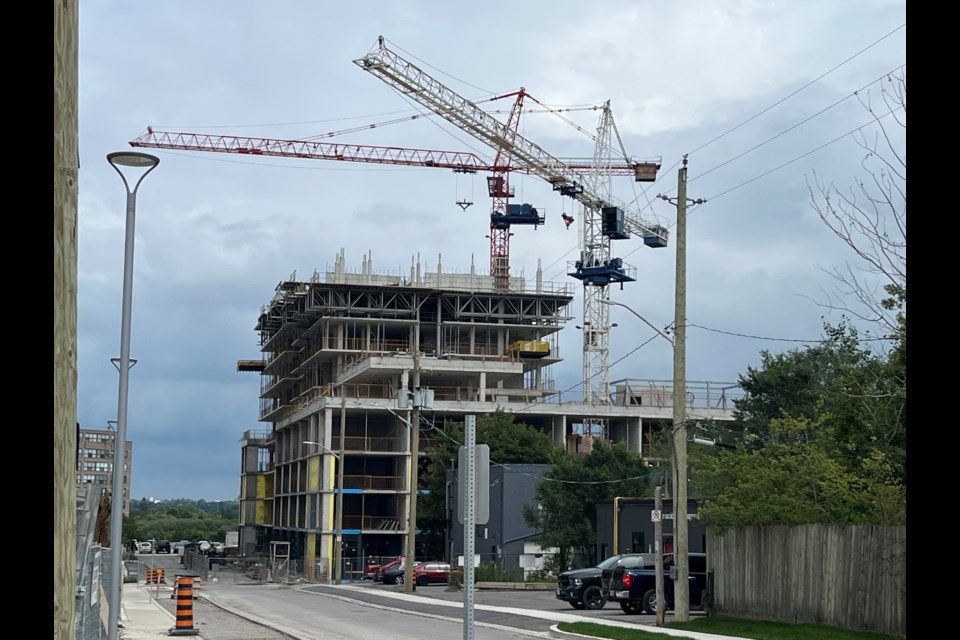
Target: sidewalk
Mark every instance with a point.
(142, 617)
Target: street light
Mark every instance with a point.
(649, 324)
(337, 560)
(146, 161)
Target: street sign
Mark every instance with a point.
(669, 516)
(481, 483)
(655, 516)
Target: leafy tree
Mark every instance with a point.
(825, 443)
(855, 397)
(794, 481)
(566, 515)
(509, 442)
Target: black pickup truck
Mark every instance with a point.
(582, 587)
(636, 588)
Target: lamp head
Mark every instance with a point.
(133, 159)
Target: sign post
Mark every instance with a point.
(473, 508)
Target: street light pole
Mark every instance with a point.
(138, 161)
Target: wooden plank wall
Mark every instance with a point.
(845, 576)
(65, 168)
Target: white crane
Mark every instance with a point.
(603, 219)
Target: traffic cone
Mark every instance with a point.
(184, 625)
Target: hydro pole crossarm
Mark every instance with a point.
(410, 80)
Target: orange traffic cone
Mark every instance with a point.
(184, 625)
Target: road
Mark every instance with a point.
(231, 607)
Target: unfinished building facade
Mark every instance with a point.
(337, 351)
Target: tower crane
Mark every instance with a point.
(588, 182)
(602, 221)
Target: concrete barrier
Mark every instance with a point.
(517, 586)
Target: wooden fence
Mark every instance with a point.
(846, 576)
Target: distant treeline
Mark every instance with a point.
(181, 519)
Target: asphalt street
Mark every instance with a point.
(230, 606)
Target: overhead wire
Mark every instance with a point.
(787, 97)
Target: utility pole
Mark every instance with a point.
(66, 160)
(681, 586)
(408, 583)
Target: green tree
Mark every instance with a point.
(794, 481)
(825, 439)
(856, 399)
(566, 515)
(181, 519)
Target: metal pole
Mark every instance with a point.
(408, 581)
(338, 548)
(658, 549)
(681, 588)
(469, 521)
(123, 366)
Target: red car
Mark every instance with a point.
(431, 573)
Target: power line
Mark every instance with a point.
(802, 122)
(782, 100)
(752, 337)
(800, 157)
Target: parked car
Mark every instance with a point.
(395, 574)
(163, 546)
(379, 569)
(582, 588)
(425, 573)
(627, 560)
(635, 588)
(179, 547)
(145, 547)
(217, 548)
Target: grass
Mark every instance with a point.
(719, 625)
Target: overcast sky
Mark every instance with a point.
(758, 93)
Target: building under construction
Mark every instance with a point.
(340, 354)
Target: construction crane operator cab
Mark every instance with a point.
(517, 214)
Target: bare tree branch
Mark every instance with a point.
(870, 217)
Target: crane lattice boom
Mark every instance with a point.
(372, 154)
(409, 79)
